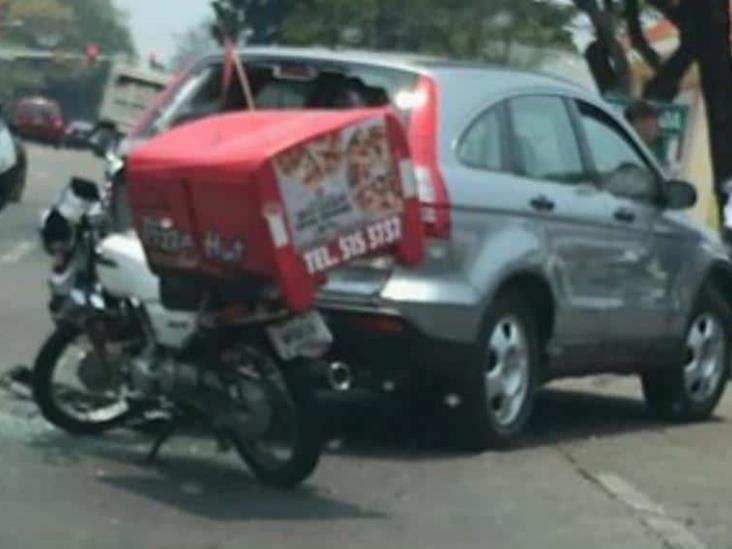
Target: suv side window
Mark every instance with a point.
(482, 146)
(544, 141)
(619, 166)
(196, 94)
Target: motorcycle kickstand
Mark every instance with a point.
(166, 434)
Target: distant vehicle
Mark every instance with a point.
(128, 93)
(78, 133)
(39, 118)
(13, 166)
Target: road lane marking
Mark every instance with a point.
(18, 252)
(673, 533)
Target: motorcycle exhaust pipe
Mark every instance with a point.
(339, 376)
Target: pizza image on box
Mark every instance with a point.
(371, 172)
(338, 181)
(314, 162)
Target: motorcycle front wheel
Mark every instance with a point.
(74, 390)
(289, 451)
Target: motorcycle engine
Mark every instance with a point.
(241, 404)
(166, 376)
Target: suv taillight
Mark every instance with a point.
(422, 133)
(426, 192)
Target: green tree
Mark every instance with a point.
(99, 21)
(252, 21)
(45, 23)
(704, 39)
(486, 29)
(192, 44)
(68, 24)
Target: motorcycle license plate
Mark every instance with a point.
(302, 336)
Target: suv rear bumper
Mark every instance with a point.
(436, 308)
(387, 347)
(396, 338)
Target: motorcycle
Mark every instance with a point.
(242, 364)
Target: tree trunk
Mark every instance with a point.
(604, 24)
(637, 37)
(711, 24)
(666, 83)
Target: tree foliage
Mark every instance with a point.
(486, 29)
(41, 20)
(704, 38)
(68, 24)
(253, 21)
(192, 44)
(99, 21)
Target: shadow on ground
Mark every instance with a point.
(564, 416)
(219, 488)
(560, 416)
(204, 485)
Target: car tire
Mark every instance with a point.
(691, 389)
(500, 388)
(20, 176)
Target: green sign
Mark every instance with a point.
(673, 120)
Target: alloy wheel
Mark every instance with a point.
(508, 369)
(705, 356)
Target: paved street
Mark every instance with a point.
(594, 471)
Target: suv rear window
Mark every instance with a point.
(279, 85)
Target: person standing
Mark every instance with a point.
(644, 118)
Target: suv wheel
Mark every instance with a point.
(691, 389)
(500, 388)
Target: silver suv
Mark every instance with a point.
(557, 248)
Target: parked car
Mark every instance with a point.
(128, 91)
(39, 118)
(557, 245)
(13, 165)
(77, 134)
(559, 248)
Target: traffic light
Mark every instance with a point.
(92, 52)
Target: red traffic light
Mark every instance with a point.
(92, 51)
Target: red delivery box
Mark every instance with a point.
(280, 195)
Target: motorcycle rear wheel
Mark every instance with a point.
(48, 393)
(295, 411)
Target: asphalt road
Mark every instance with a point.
(594, 470)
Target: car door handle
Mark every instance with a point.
(542, 204)
(624, 215)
